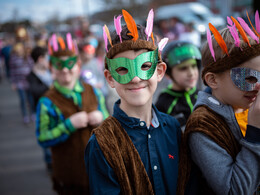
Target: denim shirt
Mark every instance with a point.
(158, 147)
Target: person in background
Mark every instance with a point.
(40, 80)
(66, 115)
(183, 62)
(221, 143)
(136, 150)
(21, 64)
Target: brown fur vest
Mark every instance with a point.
(69, 173)
(123, 157)
(205, 121)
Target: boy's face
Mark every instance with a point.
(185, 75)
(43, 62)
(228, 93)
(64, 75)
(137, 92)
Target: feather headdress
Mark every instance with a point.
(149, 24)
(241, 31)
(117, 23)
(131, 25)
(218, 38)
(210, 44)
(233, 32)
(256, 22)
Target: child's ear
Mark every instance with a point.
(109, 78)
(211, 79)
(161, 69)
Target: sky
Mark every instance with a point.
(42, 10)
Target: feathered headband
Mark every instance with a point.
(135, 43)
(238, 56)
(59, 46)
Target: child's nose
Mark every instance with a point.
(136, 79)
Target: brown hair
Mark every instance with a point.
(236, 55)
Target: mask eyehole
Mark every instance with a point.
(251, 79)
(146, 66)
(122, 70)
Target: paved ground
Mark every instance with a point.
(22, 169)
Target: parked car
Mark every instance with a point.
(192, 12)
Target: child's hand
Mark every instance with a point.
(254, 110)
(79, 120)
(95, 118)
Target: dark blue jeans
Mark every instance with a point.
(26, 102)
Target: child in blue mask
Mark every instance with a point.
(221, 144)
(136, 150)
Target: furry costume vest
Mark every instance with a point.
(69, 174)
(213, 125)
(123, 157)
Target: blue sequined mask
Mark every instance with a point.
(245, 78)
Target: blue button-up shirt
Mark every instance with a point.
(157, 145)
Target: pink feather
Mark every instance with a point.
(230, 22)
(233, 32)
(54, 42)
(149, 24)
(210, 44)
(162, 43)
(117, 23)
(257, 21)
(105, 37)
(247, 29)
(69, 41)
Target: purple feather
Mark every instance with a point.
(233, 32)
(210, 44)
(247, 29)
(257, 21)
(105, 37)
(117, 23)
(149, 24)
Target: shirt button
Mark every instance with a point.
(155, 167)
(149, 136)
(142, 124)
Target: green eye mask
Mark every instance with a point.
(123, 70)
(60, 64)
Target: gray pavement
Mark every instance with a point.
(22, 168)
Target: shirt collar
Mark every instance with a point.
(135, 122)
(65, 91)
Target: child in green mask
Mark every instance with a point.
(183, 61)
(135, 151)
(66, 115)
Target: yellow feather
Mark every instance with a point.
(131, 25)
(108, 35)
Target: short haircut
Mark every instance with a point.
(37, 52)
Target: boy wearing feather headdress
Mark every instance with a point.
(66, 115)
(136, 150)
(220, 152)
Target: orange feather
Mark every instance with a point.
(61, 42)
(241, 31)
(108, 35)
(131, 25)
(218, 38)
(252, 25)
(152, 37)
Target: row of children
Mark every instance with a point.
(140, 150)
